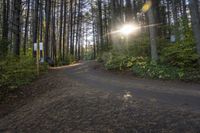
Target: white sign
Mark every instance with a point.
(41, 46)
(42, 60)
(173, 38)
(182, 37)
(35, 46)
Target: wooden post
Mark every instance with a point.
(36, 50)
(38, 61)
(41, 49)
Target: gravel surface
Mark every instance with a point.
(84, 98)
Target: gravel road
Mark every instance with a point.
(85, 98)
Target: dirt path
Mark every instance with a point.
(83, 98)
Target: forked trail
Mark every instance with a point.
(85, 98)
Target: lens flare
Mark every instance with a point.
(147, 6)
(128, 29)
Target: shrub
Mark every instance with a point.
(192, 74)
(143, 67)
(182, 54)
(153, 70)
(177, 61)
(16, 72)
(3, 48)
(139, 47)
(114, 60)
(69, 59)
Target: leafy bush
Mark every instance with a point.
(114, 61)
(192, 74)
(157, 71)
(153, 70)
(69, 59)
(143, 67)
(3, 48)
(16, 72)
(182, 54)
(139, 46)
(177, 61)
(123, 57)
(118, 61)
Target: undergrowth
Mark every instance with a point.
(178, 61)
(16, 72)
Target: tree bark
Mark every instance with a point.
(48, 19)
(35, 25)
(61, 28)
(64, 28)
(100, 25)
(153, 31)
(5, 20)
(26, 27)
(195, 17)
(71, 28)
(17, 27)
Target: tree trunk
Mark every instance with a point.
(41, 20)
(26, 27)
(17, 27)
(48, 18)
(100, 25)
(64, 28)
(71, 28)
(195, 17)
(61, 28)
(153, 31)
(5, 20)
(35, 25)
(129, 14)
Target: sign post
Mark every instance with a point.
(41, 53)
(36, 50)
(173, 38)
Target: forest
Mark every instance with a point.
(151, 38)
(99, 66)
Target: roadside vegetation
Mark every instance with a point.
(178, 61)
(17, 71)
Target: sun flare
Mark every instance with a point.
(128, 29)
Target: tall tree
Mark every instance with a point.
(26, 26)
(100, 23)
(152, 30)
(195, 17)
(47, 30)
(35, 24)
(5, 19)
(64, 28)
(61, 28)
(17, 26)
(71, 28)
(129, 14)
